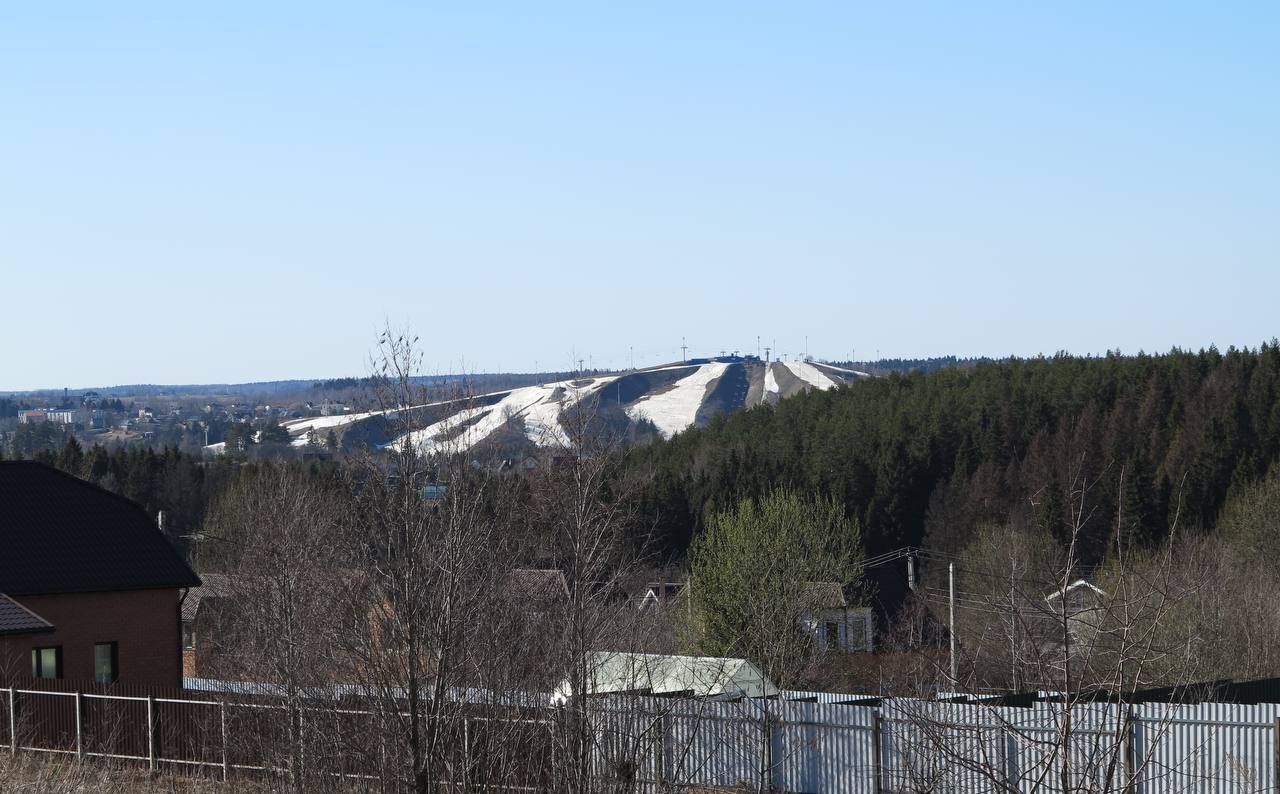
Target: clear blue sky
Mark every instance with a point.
(241, 191)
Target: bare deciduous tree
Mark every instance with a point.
(278, 535)
(1091, 639)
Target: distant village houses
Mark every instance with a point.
(60, 416)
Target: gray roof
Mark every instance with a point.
(17, 619)
(538, 584)
(824, 595)
(214, 585)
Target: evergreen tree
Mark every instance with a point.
(273, 433)
(72, 456)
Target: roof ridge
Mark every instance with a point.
(88, 483)
(31, 481)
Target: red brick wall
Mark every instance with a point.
(145, 623)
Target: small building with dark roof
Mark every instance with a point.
(196, 622)
(92, 588)
(831, 622)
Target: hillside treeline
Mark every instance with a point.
(1083, 446)
(167, 480)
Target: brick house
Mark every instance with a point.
(91, 589)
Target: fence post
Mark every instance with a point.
(466, 754)
(79, 727)
(222, 717)
(768, 749)
(151, 733)
(1275, 740)
(664, 739)
(13, 722)
(1131, 753)
(876, 759)
(302, 742)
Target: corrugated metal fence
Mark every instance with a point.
(909, 745)
(644, 743)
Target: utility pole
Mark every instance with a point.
(911, 572)
(951, 578)
(684, 356)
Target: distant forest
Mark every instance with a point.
(926, 459)
(480, 381)
(169, 480)
(885, 366)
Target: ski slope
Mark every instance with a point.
(539, 407)
(770, 382)
(857, 372)
(672, 403)
(810, 374)
(676, 409)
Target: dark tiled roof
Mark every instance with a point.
(212, 585)
(60, 534)
(823, 595)
(17, 619)
(537, 584)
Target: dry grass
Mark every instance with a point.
(41, 774)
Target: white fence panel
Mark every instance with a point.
(1085, 751)
(718, 744)
(627, 742)
(818, 747)
(651, 744)
(1214, 748)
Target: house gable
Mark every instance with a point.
(60, 534)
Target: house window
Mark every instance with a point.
(832, 631)
(858, 634)
(188, 636)
(46, 662)
(106, 662)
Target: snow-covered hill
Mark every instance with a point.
(672, 397)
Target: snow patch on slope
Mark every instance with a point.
(676, 409)
(444, 435)
(857, 372)
(542, 420)
(303, 426)
(810, 374)
(770, 382)
(539, 407)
